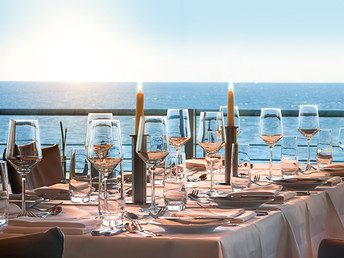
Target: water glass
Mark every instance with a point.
(175, 190)
(80, 179)
(324, 150)
(289, 156)
(4, 202)
(242, 180)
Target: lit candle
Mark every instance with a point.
(230, 106)
(139, 107)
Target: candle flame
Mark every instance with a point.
(230, 86)
(139, 87)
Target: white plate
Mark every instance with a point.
(189, 225)
(240, 202)
(303, 184)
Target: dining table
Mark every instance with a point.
(290, 228)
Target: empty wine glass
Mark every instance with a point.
(178, 127)
(152, 147)
(270, 129)
(211, 138)
(23, 150)
(308, 126)
(90, 117)
(105, 153)
(224, 110)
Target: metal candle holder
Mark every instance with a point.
(139, 176)
(231, 136)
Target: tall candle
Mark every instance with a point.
(230, 106)
(139, 107)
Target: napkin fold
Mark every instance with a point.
(196, 164)
(56, 191)
(247, 215)
(282, 197)
(71, 221)
(271, 190)
(336, 169)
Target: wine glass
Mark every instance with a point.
(105, 153)
(308, 126)
(152, 147)
(23, 150)
(211, 138)
(270, 129)
(224, 110)
(178, 127)
(90, 117)
(341, 138)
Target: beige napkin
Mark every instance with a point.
(206, 212)
(336, 169)
(316, 176)
(247, 215)
(71, 221)
(334, 180)
(271, 190)
(196, 164)
(56, 191)
(284, 196)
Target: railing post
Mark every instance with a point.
(190, 146)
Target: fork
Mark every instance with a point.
(160, 212)
(194, 196)
(139, 228)
(26, 213)
(255, 180)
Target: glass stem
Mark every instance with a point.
(23, 178)
(270, 167)
(153, 186)
(211, 175)
(308, 154)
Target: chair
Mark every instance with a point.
(331, 248)
(41, 245)
(47, 172)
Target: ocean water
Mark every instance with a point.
(164, 95)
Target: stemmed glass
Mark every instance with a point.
(211, 138)
(224, 110)
(341, 138)
(90, 117)
(308, 126)
(152, 147)
(270, 129)
(178, 127)
(23, 150)
(105, 153)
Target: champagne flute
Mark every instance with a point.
(308, 126)
(23, 150)
(152, 147)
(178, 127)
(211, 138)
(270, 129)
(224, 110)
(105, 153)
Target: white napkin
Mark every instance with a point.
(71, 221)
(197, 164)
(208, 213)
(56, 191)
(334, 180)
(272, 190)
(284, 196)
(247, 215)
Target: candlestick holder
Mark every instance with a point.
(231, 137)
(139, 176)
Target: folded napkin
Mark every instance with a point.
(71, 221)
(271, 190)
(334, 180)
(313, 176)
(196, 164)
(336, 169)
(284, 196)
(247, 215)
(232, 213)
(56, 191)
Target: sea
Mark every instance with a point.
(165, 95)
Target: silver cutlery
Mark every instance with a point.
(54, 211)
(194, 196)
(100, 231)
(256, 179)
(131, 228)
(160, 212)
(46, 209)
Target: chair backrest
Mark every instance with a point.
(331, 248)
(41, 245)
(47, 172)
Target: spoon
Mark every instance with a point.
(54, 211)
(131, 228)
(46, 209)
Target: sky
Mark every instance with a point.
(172, 40)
